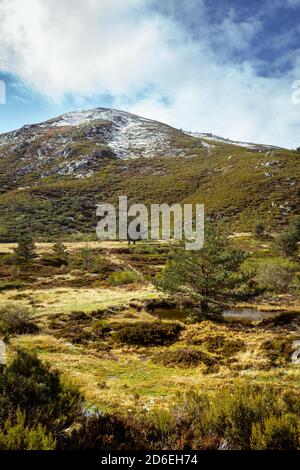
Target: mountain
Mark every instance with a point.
(249, 145)
(52, 174)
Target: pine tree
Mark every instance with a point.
(205, 277)
(60, 252)
(25, 250)
(287, 241)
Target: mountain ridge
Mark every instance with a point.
(64, 166)
(89, 114)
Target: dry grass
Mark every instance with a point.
(112, 380)
(43, 248)
(291, 305)
(125, 377)
(71, 246)
(64, 300)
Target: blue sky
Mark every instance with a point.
(221, 66)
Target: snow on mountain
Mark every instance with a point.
(76, 143)
(215, 138)
(130, 136)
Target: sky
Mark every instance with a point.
(230, 67)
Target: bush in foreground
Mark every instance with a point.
(276, 433)
(16, 435)
(245, 417)
(38, 392)
(240, 416)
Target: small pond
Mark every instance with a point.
(242, 314)
(166, 313)
(248, 314)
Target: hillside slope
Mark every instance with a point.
(53, 174)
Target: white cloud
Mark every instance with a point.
(293, 3)
(78, 47)
(149, 64)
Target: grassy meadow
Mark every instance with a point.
(102, 322)
(115, 376)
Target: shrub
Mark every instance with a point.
(218, 343)
(243, 417)
(37, 391)
(101, 432)
(81, 259)
(249, 290)
(287, 241)
(8, 285)
(16, 435)
(277, 275)
(86, 258)
(259, 229)
(15, 318)
(99, 265)
(139, 431)
(295, 226)
(76, 334)
(145, 250)
(60, 253)
(9, 259)
(278, 349)
(124, 277)
(148, 333)
(276, 433)
(184, 357)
